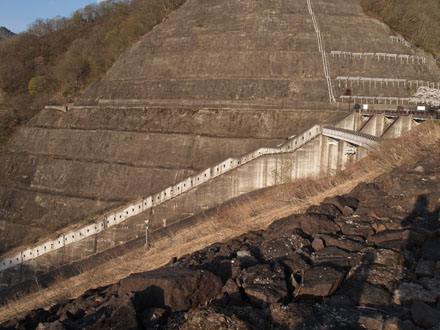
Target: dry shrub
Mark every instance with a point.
(418, 21)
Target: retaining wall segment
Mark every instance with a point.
(309, 153)
(132, 209)
(65, 167)
(261, 172)
(376, 125)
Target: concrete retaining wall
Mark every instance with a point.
(306, 154)
(122, 214)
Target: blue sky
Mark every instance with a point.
(16, 15)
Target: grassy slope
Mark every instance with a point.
(417, 20)
(56, 59)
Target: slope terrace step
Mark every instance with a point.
(264, 65)
(376, 92)
(206, 92)
(372, 68)
(377, 100)
(370, 56)
(363, 45)
(236, 41)
(384, 82)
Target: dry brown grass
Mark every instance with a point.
(255, 213)
(418, 21)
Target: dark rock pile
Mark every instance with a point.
(366, 260)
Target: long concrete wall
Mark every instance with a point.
(306, 154)
(121, 214)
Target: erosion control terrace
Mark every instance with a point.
(263, 54)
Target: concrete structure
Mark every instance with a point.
(320, 149)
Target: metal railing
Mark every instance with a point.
(323, 53)
(409, 59)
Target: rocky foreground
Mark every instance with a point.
(369, 259)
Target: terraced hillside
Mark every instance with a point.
(256, 54)
(66, 167)
(228, 53)
(239, 56)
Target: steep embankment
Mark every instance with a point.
(64, 168)
(240, 54)
(417, 21)
(367, 259)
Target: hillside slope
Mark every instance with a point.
(418, 21)
(240, 54)
(5, 33)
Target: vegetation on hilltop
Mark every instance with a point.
(57, 58)
(418, 21)
(5, 33)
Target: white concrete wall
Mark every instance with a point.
(118, 216)
(312, 164)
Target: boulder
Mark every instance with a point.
(230, 294)
(365, 293)
(292, 316)
(318, 244)
(409, 292)
(424, 315)
(366, 191)
(307, 316)
(390, 258)
(309, 223)
(385, 276)
(283, 245)
(221, 268)
(343, 203)
(356, 225)
(293, 263)
(263, 286)
(335, 257)
(176, 288)
(34, 318)
(123, 317)
(431, 250)
(10, 325)
(409, 237)
(394, 323)
(326, 209)
(425, 268)
(320, 281)
(432, 285)
(212, 318)
(349, 243)
(246, 258)
(373, 321)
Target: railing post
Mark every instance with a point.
(147, 227)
